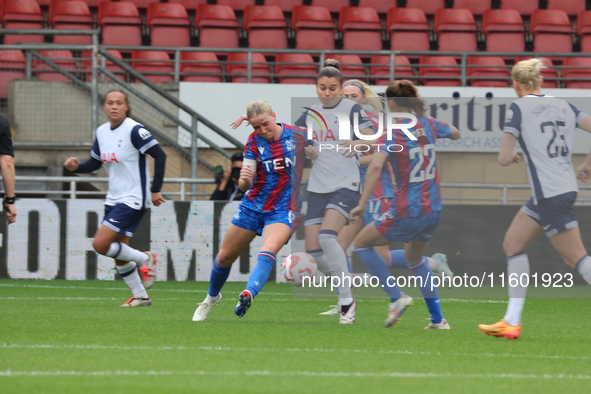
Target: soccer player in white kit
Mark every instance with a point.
(544, 126)
(121, 145)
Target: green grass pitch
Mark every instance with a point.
(72, 337)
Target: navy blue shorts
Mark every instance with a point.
(122, 218)
(554, 214)
(256, 220)
(420, 228)
(343, 201)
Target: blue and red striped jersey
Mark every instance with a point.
(279, 170)
(417, 190)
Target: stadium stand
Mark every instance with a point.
(22, 14)
(333, 6)
(381, 6)
(313, 27)
(120, 23)
(439, 66)
(428, 6)
(169, 25)
(190, 5)
(12, 66)
(266, 26)
(292, 63)
(581, 69)
(285, 5)
(217, 26)
(72, 15)
(551, 30)
(409, 29)
(61, 58)
(524, 7)
(549, 73)
(208, 63)
(476, 7)
(109, 65)
(584, 30)
(143, 3)
(381, 67)
(361, 28)
(351, 66)
(456, 30)
(160, 64)
(237, 68)
(504, 31)
(236, 5)
(491, 67)
(571, 7)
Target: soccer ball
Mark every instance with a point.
(298, 265)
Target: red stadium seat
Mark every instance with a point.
(153, 62)
(504, 30)
(285, 5)
(207, 63)
(72, 15)
(524, 7)
(428, 6)
(381, 67)
(583, 72)
(332, 5)
(217, 26)
(298, 63)
(381, 6)
(236, 5)
(549, 73)
(584, 30)
(361, 28)
(313, 27)
(22, 14)
(169, 25)
(142, 3)
(571, 7)
(476, 7)
(456, 30)
(120, 23)
(61, 58)
(351, 66)
(408, 28)
(491, 67)
(552, 31)
(12, 66)
(439, 66)
(266, 26)
(189, 4)
(109, 65)
(237, 69)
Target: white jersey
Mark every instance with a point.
(333, 170)
(545, 127)
(122, 152)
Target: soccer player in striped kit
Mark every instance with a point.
(544, 127)
(121, 146)
(415, 213)
(271, 174)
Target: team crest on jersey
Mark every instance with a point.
(261, 149)
(291, 217)
(288, 145)
(144, 134)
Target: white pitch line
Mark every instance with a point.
(292, 350)
(76, 298)
(9, 373)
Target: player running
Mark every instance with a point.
(414, 215)
(272, 170)
(544, 127)
(121, 145)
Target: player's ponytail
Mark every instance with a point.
(128, 112)
(331, 69)
(257, 108)
(528, 73)
(404, 93)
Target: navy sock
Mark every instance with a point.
(218, 277)
(398, 258)
(431, 295)
(260, 274)
(377, 267)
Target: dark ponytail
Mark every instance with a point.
(405, 94)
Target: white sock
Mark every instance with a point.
(210, 300)
(121, 251)
(584, 268)
(131, 276)
(517, 265)
(321, 261)
(337, 262)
